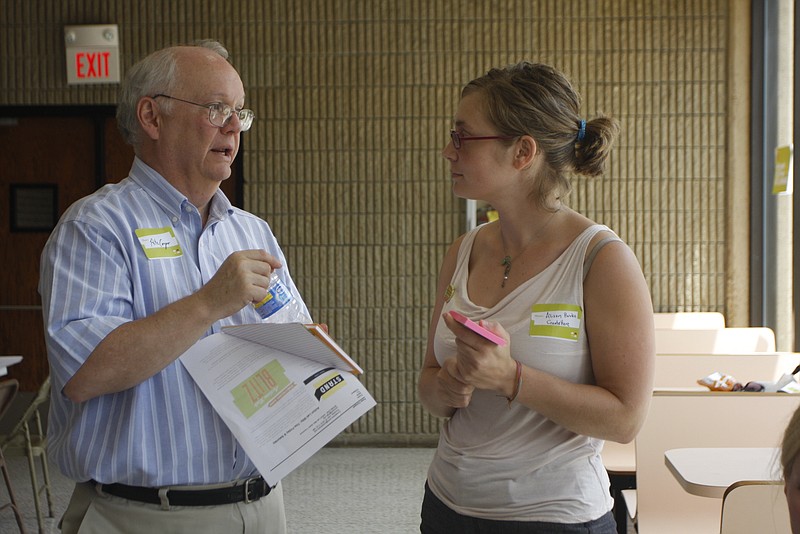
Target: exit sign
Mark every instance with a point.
(92, 53)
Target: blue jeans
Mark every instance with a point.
(437, 518)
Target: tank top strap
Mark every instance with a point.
(587, 263)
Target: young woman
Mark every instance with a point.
(526, 420)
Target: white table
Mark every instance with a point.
(709, 471)
(6, 362)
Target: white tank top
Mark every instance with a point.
(511, 463)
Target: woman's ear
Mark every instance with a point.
(525, 152)
(149, 115)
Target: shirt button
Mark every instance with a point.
(174, 220)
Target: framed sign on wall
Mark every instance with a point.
(34, 207)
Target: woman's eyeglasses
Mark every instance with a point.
(457, 138)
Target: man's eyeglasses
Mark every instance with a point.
(220, 114)
(457, 138)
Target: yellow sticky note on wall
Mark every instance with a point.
(783, 170)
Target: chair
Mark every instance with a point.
(28, 437)
(8, 391)
(731, 340)
(689, 320)
(755, 507)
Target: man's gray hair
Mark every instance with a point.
(155, 74)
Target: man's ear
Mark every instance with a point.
(525, 152)
(149, 115)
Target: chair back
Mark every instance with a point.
(679, 419)
(755, 507)
(8, 391)
(689, 320)
(715, 341)
(28, 437)
(31, 413)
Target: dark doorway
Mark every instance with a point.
(51, 157)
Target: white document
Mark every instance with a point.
(284, 390)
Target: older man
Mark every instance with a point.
(131, 277)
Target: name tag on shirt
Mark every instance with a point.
(159, 243)
(562, 321)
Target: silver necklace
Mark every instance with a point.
(506, 262)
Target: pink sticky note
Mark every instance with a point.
(478, 329)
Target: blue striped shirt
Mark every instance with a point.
(95, 276)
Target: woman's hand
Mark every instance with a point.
(480, 362)
(454, 391)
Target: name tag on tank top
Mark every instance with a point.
(560, 321)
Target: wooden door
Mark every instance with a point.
(55, 153)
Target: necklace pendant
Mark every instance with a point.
(507, 263)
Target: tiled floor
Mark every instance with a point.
(340, 490)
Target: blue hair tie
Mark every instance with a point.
(581, 131)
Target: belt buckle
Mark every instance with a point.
(247, 499)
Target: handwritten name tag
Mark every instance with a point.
(159, 243)
(562, 321)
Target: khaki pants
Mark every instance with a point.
(92, 512)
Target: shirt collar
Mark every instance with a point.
(172, 200)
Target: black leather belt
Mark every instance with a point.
(252, 490)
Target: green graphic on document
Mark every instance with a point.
(260, 388)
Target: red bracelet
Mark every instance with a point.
(517, 385)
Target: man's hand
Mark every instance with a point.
(243, 278)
